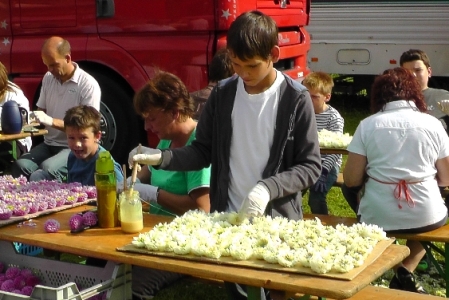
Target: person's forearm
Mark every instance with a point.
(58, 124)
(178, 204)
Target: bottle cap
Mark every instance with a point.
(104, 163)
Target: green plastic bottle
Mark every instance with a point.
(105, 182)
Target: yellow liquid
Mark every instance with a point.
(132, 227)
(107, 206)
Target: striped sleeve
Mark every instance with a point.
(332, 121)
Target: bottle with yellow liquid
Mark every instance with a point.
(105, 182)
(131, 217)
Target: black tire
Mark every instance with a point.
(120, 126)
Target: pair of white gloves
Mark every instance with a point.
(253, 205)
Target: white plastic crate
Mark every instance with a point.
(59, 279)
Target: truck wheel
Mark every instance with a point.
(120, 126)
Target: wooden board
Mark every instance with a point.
(260, 264)
(334, 151)
(15, 219)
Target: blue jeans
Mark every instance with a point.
(317, 200)
(52, 159)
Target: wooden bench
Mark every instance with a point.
(374, 293)
(426, 238)
(339, 182)
(367, 293)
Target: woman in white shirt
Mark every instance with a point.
(400, 155)
(11, 92)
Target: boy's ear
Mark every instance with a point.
(328, 97)
(275, 53)
(98, 137)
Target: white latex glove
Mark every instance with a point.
(444, 106)
(147, 156)
(43, 118)
(256, 202)
(147, 192)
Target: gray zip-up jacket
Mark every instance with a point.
(294, 163)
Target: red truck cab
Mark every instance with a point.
(123, 42)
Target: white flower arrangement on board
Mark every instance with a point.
(303, 243)
(332, 139)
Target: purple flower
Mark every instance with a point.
(7, 285)
(71, 198)
(21, 209)
(34, 207)
(19, 282)
(76, 222)
(90, 218)
(82, 196)
(5, 211)
(91, 192)
(33, 280)
(51, 203)
(43, 205)
(26, 273)
(51, 226)
(27, 290)
(12, 272)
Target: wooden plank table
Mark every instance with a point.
(22, 135)
(102, 243)
(18, 136)
(333, 151)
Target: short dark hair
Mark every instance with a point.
(252, 34)
(82, 117)
(414, 54)
(396, 84)
(220, 66)
(164, 91)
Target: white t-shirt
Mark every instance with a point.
(401, 143)
(57, 98)
(253, 124)
(17, 95)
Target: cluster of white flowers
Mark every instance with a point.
(332, 139)
(304, 243)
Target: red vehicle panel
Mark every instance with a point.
(123, 42)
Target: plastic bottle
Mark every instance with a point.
(105, 182)
(131, 216)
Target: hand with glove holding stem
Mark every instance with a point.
(320, 185)
(146, 156)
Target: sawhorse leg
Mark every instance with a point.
(14, 149)
(428, 246)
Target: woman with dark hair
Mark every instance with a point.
(167, 109)
(399, 157)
